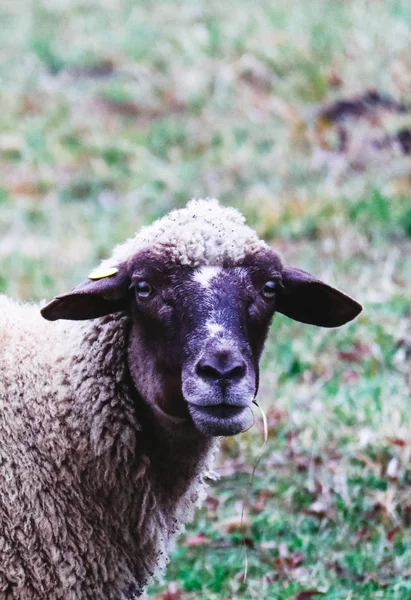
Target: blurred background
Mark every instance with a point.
(299, 114)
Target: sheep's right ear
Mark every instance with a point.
(103, 293)
(307, 299)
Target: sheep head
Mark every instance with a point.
(198, 326)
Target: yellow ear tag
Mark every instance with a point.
(102, 273)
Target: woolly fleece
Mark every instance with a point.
(202, 233)
(92, 491)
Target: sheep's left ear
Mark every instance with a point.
(307, 299)
(103, 293)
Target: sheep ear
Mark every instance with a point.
(103, 293)
(307, 299)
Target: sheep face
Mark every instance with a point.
(197, 332)
(197, 337)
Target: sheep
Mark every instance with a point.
(110, 417)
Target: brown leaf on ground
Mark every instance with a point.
(173, 593)
(307, 594)
(334, 79)
(392, 533)
(125, 108)
(357, 353)
(395, 441)
(131, 109)
(288, 563)
(234, 524)
(197, 540)
(104, 68)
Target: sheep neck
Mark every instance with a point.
(179, 454)
(131, 459)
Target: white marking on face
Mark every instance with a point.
(214, 328)
(204, 275)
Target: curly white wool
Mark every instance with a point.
(222, 238)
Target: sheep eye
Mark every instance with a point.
(268, 290)
(143, 289)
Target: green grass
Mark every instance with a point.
(112, 113)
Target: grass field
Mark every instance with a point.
(111, 113)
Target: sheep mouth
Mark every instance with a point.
(220, 411)
(220, 419)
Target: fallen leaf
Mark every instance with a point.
(197, 540)
(122, 107)
(288, 563)
(334, 79)
(103, 68)
(172, 593)
(356, 354)
(307, 594)
(131, 109)
(397, 442)
(233, 524)
(392, 533)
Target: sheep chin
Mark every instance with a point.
(221, 420)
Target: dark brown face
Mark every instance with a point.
(197, 333)
(197, 337)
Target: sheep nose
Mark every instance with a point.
(223, 365)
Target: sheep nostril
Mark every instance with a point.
(237, 372)
(214, 368)
(206, 371)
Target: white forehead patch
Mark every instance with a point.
(214, 328)
(204, 275)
